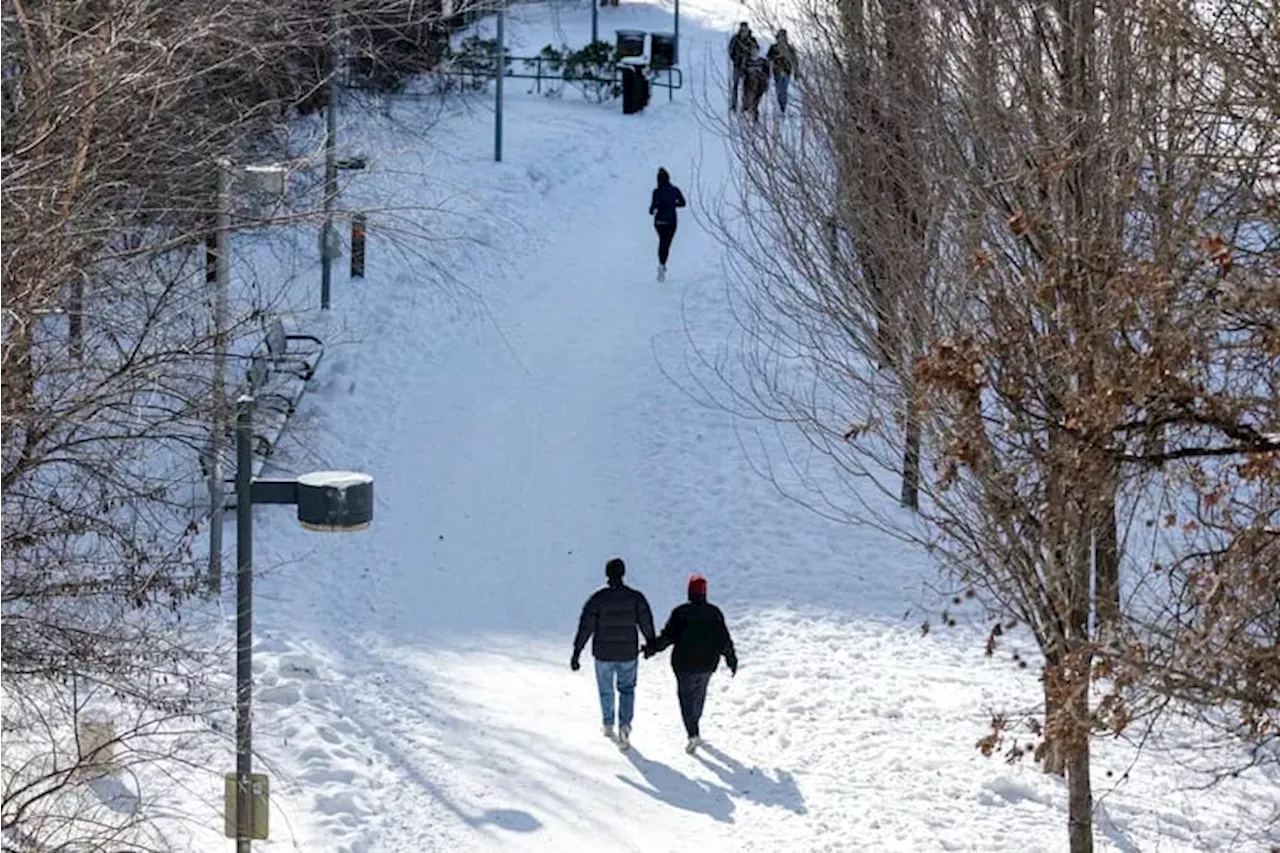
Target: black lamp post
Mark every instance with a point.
(326, 501)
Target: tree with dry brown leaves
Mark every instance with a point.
(1083, 315)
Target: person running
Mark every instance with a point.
(662, 207)
(782, 61)
(611, 615)
(742, 47)
(700, 636)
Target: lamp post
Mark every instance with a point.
(327, 237)
(263, 180)
(326, 501)
(501, 73)
(675, 47)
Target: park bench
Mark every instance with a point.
(281, 356)
(279, 369)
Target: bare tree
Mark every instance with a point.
(115, 117)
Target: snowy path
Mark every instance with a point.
(414, 685)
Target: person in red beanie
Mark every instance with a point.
(698, 632)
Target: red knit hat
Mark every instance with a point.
(697, 586)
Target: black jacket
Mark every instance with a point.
(741, 48)
(612, 615)
(700, 637)
(666, 198)
(782, 58)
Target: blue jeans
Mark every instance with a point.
(780, 84)
(623, 673)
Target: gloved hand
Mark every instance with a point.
(648, 652)
(574, 664)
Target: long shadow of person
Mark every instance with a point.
(674, 788)
(754, 783)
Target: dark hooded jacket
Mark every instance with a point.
(611, 615)
(782, 57)
(700, 636)
(666, 198)
(742, 47)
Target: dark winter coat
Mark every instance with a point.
(666, 198)
(611, 615)
(700, 636)
(741, 48)
(755, 82)
(782, 58)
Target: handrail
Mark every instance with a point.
(668, 77)
(674, 75)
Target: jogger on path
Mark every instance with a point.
(662, 207)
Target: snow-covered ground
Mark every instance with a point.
(413, 687)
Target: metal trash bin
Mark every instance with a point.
(635, 85)
(630, 43)
(662, 50)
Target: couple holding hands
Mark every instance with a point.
(696, 630)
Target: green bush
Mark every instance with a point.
(593, 70)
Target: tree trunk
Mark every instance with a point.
(75, 320)
(1079, 781)
(1052, 753)
(1106, 551)
(911, 452)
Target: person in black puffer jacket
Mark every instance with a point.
(700, 636)
(612, 615)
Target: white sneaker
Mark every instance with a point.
(608, 732)
(692, 746)
(624, 736)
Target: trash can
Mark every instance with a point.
(662, 50)
(630, 43)
(635, 85)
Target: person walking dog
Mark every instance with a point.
(611, 616)
(700, 638)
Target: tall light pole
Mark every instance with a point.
(264, 180)
(595, 15)
(326, 501)
(675, 48)
(501, 66)
(222, 284)
(244, 627)
(330, 157)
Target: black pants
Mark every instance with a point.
(691, 687)
(666, 232)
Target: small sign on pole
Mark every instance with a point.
(358, 224)
(258, 809)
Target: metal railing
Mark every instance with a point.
(668, 77)
(541, 68)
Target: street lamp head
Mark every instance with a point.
(265, 179)
(335, 501)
